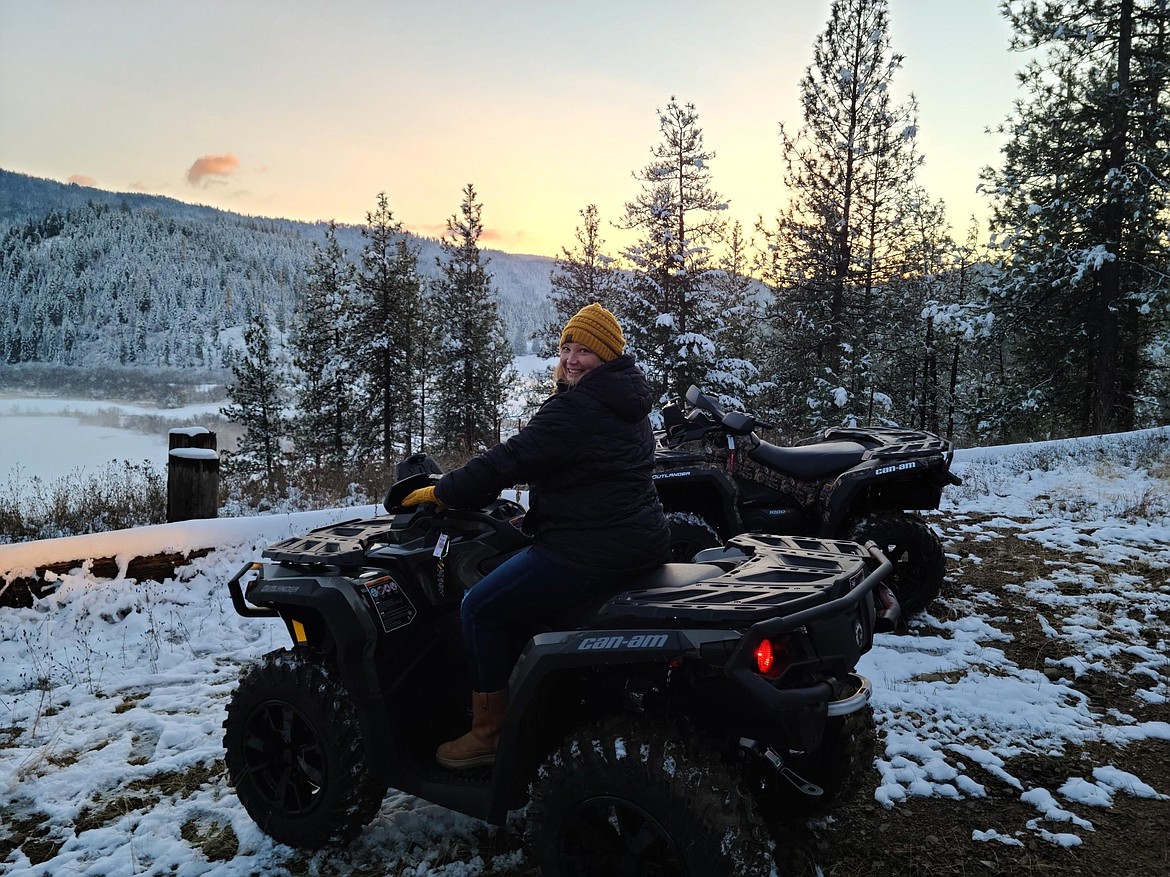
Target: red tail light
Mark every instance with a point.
(765, 657)
(773, 657)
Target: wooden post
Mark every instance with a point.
(192, 474)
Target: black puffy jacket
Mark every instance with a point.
(586, 455)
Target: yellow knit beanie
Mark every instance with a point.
(597, 329)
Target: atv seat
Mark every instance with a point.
(809, 461)
(667, 577)
(673, 575)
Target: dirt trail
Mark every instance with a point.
(933, 836)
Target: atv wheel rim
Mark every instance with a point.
(283, 757)
(609, 835)
(908, 581)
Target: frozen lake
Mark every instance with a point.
(45, 438)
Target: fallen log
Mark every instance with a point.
(21, 592)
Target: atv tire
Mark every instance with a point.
(915, 551)
(622, 798)
(295, 753)
(689, 534)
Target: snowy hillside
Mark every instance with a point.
(93, 278)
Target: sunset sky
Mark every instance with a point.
(307, 110)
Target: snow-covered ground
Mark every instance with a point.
(109, 687)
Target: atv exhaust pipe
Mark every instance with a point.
(889, 614)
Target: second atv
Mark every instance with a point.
(717, 477)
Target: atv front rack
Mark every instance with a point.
(343, 544)
(351, 543)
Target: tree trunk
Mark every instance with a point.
(1107, 354)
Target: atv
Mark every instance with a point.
(717, 478)
(661, 729)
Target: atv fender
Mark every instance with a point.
(704, 491)
(547, 653)
(337, 606)
(902, 484)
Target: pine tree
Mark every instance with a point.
(428, 357)
(323, 427)
(1081, 208)
(834, 249)
(579, 278)
(666, 309)
(738, 303)
(921, 358)
(384, 341)
(256, 403)
(473, 357)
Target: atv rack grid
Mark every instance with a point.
(893, 442)
(782, 571)
(342, 544)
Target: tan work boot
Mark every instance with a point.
(478, 746)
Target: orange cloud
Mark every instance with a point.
(429, 231)
(82, 180)
(440, 231)
(207, 168)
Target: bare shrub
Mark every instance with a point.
(117, 496)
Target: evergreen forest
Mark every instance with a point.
(853, 303)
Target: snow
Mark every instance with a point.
(530, 364)
(108, 684)
(195, 454)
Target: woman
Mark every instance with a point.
(586, 455)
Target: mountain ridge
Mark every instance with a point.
(94, 278)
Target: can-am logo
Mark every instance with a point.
(895, 467)
(639, 641)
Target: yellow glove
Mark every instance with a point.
(423, 495)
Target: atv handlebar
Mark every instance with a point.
(399, 490)
(735, 422)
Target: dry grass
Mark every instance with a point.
(117, 496)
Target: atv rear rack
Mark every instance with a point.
(774, 575)
(891, 441)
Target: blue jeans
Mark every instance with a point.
(511, 603)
